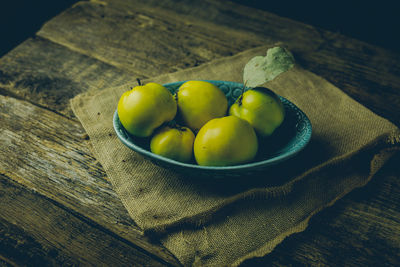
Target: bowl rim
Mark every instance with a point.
(271, 161)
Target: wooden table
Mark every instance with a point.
(57, 205)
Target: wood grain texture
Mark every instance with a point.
(134, 33)
(44, 234)
(49, 75)
(196, 32)
(98, 44)
(126, 36)
(49, 154)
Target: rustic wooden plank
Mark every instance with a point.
(49, 75)
(18, 248)
(362, 229)
(37, 232)
(365, 72)
(123, 35)
(361, 70)
(50, 154)
(175, 35)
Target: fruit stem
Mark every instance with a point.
(139, 81)
(173, 124)
(241, 95)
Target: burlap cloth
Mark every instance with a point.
(224, 222)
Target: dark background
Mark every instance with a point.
(376, 22)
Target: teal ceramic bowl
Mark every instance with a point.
(288, 140)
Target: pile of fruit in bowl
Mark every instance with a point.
(196, 120)
(210, 127)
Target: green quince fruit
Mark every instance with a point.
(225, 141)
(145, 108)
(173, 142)
(262, 108)
(199, 102)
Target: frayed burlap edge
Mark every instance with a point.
(380, 149)
(377, 163)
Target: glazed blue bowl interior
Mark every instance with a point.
(287, 140)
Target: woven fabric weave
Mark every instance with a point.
(224, 222)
